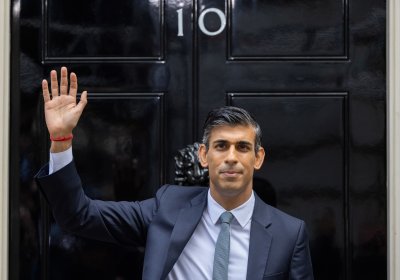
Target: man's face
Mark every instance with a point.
(231, 160)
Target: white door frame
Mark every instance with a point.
(4, 132)
(393, 137)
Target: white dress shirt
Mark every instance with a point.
(196, 259)
(59, 160)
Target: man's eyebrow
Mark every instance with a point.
(245, 143)
(241, 142)
(220, 141)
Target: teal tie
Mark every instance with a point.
(221, 256)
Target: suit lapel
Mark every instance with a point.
(260, 241)
(185, 225)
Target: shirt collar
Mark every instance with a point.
(242, 213)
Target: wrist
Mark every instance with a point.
(66, 137)
(60, 146)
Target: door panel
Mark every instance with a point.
(103, 30)
(117, 154)
(305, 169)
(288, 29)
(311, 72)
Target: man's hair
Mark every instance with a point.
(230, 116)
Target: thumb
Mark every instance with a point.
(83, 101)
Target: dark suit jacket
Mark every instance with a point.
(278, 242)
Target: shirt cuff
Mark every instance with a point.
(60, 160)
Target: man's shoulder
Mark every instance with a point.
(179, 193)
(278, 218)
(283, 215)
(170, 199)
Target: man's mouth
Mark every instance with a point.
(230, 172)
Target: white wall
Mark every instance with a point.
(393, 117)
(4, 132)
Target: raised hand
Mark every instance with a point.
(62, 113)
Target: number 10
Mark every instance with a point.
(202, 27)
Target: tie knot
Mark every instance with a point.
(226, 217)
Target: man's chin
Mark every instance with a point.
(231, 190)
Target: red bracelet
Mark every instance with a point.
(62, 138)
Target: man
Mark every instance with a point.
(221, 232)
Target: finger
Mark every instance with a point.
(64, 81)
(54, 83)
(73, 85)
(45, 90)
(83, 101)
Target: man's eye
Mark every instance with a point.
(220, 146)
(243, 147)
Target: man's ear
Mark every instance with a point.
(260, 155)
(202, 153)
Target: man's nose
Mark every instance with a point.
(231, 156)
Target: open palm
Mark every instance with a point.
(62, 113)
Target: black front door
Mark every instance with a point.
(311, 72)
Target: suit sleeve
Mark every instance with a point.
(301, 267)
(123, 223)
